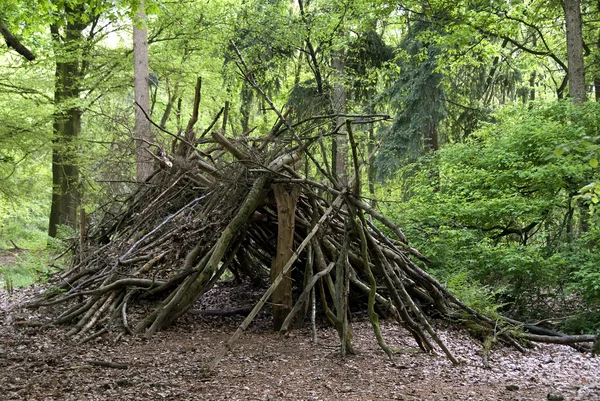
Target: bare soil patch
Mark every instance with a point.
(40, 364)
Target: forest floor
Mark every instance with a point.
(40, 364)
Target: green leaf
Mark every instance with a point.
(594, 163)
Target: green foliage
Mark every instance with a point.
(584, 322)
(470, 291)
(418, 96)
(28, 267)
(587, 147)
(24, 195)
(504, 208)
(585, 278)
(26, 226)
(25, 134)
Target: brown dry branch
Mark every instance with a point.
(265, 213)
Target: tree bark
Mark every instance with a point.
(575, 51)
(432, 122)
(67, 121)
(143, 132)
(286, 211)
(339, 145)
(65, 167)
(247, 96)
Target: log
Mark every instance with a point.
(567, 340)
(286, 199)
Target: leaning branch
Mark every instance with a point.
(12, 41)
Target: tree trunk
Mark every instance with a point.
(67, 123)
(65, 169)
(339, 145)
(247, 97)
(432, 122)
(286, 211)
(371, 170)
(143, 133)
(532, 78)
(65, 172)
(575, 51)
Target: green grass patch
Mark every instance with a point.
(25, 268)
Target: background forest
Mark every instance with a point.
(489, 161)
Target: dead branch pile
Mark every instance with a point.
(248, 205)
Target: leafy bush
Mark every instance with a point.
(25, 230)
(505, 208)
(28, 267)
(25, 206)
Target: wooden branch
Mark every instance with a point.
(137, 282)
(361, 230)
(124, 312)
(12, 41)
(171, 217)
(93, 336)
(177, 137)
(77, 310)
(190, 126)
(212, 124)
(238, 153)
(223, 313)
(288, 159)
(567, 340)
(303, 296)
(275, 130)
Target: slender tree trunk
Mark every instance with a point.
(143, 133)
(575, 51)
(340, 142)
(247, 97)
(532, 78)
(431, 127)
(371, 172)
(431, 136)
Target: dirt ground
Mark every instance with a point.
(41, 364)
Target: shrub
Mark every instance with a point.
(504, 209)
